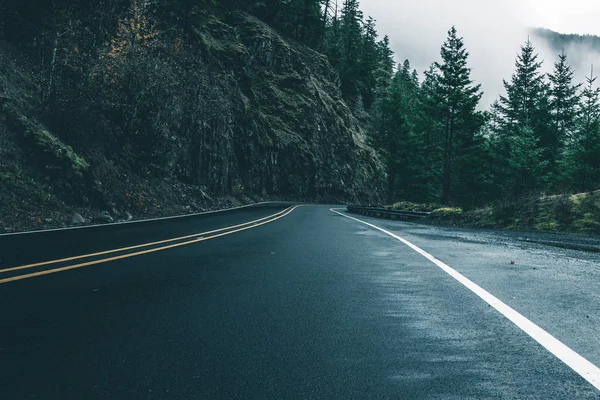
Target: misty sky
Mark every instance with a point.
(493, 31)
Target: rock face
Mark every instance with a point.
(287, 131)
(227, 110)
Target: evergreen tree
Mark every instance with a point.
(351, 34)
(521, 103)
(498, 163)
(328, 9)
(409, 155)
(581, 164)
(369, 64)
(333, 42)
(525, 160)
(304, 21)
(429, 127)
(395, 137)
(459, 98)
(564, 100)
(524, 109)
(386, 64)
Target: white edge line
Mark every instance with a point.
(577, 363)
(140, 220)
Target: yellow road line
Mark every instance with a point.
(139, 246)
(139, 253)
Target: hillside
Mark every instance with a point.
(558, 41)
(143, 120)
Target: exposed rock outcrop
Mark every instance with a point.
(226, 113)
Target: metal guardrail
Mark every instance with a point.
(379, 212)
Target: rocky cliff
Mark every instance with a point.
(156, 123)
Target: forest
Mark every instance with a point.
(541, 137)
(434, 139)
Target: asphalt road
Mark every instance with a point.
(300, 305)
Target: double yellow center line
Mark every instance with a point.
(183, 241)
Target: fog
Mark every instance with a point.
(493, 31)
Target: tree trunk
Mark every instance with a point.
(326, 13)
(52, 69)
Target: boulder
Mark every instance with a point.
(103, 217)
(77, 219)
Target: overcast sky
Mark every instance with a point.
(493, 31)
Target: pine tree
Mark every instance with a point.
(328, 8)
(459, 98)
(386, 64)
(395, 137)
(309, 27)
(523, 111)
(590, 105)
(429, 128)
(369, 64)
(351, 33)
(581, 164)
(498, 163)
(564, 100)
(520, 105)
(525, 160)
(408, 157)
(333, 42)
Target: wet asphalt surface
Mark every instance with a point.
(312, 306)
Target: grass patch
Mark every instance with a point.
(408, 206)
(446, 212)
(49, 151)
(6, 177)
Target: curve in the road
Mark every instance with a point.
(139, 246)
(139, 221)
(200, 237)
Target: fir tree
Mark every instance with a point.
(459, 98)
(395, 130)
(563, 102)
(525, 161)
(429, 127)
(524, 110)
(386, 64)
(369, 64)
(333, 43)
(581, 164)
(351, 33)
(520, 105)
